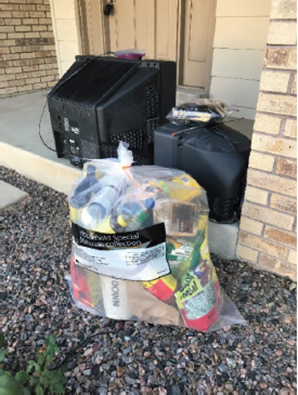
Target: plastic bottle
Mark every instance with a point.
(82, 193)
(131, 208)
(190, 264)
(197, 299)
(99, 207)
(141, 218)
(111, 224)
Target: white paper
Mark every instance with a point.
(136, 264)
(115, 300)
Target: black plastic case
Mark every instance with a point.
(215, 155)
(101, 101)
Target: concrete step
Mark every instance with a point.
(10, 195)
(46, 171)
(223, 239)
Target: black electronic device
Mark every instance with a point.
(102, 100)
(215, 155)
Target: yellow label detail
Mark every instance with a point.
(104, 226)
(205, 250)
(190, 286)
(169, 280)
(186, 179)
(121, 221)
(74, 214)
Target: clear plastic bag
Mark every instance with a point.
(140, 248)
(201, 111)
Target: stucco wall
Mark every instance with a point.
(66, 32)
(238, 50)
(268, 228)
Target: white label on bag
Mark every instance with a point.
(135, 264)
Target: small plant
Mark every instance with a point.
(38, 377)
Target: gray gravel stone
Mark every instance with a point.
(259, 358)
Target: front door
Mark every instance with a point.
(179, 30)
(143, 24)
(197, 29)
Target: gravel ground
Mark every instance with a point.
(257, 359)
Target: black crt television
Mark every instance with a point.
(216, 155)
(101, 101)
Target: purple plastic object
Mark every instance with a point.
(130, 54)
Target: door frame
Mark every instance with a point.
(87, 11)
(181, 43)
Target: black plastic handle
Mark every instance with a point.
(108, 9)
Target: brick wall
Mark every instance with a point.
(269, 218)
(27, 48)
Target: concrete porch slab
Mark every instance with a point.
(23, 151)
(20, 116)
(10, 195)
